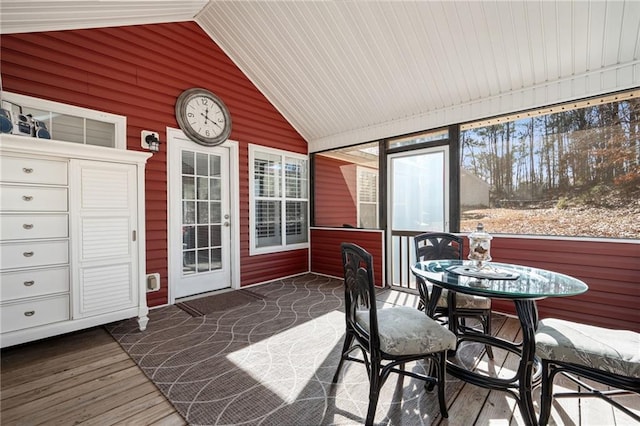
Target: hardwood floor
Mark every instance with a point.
(86, 378)
(480, 406)
(81, 378)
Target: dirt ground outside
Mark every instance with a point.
(621, 222)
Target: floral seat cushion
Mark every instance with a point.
(463, 301)
(407, 331)
(613, 351)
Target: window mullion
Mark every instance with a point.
(283, 198)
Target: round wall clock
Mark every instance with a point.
(203, 117)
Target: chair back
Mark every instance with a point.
(437, 245)
(359, 291)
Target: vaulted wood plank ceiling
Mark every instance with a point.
(344, 72)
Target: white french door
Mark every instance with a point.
(200, 218)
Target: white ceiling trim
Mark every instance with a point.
(26, 16)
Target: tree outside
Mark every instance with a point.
(575, 172)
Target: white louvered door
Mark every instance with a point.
(104, 214)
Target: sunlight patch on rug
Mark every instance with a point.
(287, 362)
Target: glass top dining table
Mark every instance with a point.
(499, 280)
(521, 284)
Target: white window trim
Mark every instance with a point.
(253, 250)
(359, 201)
(119, 121)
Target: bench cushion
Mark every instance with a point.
(613, 351)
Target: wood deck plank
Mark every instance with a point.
(501, 405)
(173, 419)
(127, 410)
(595, 411)
(564, 411)
(55, 364)
(69, 398)
(158, 414)
(632, 402)
(458, 390)
(99, 404)
(19, 356)
(471, 405)
(51, 383)
(82, 377)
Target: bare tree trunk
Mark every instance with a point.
(508, 160)
(547, 152)
(532, 167)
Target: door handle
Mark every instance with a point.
(226, 224)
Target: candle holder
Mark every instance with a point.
(480, 247)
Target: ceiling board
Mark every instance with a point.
(346, 72)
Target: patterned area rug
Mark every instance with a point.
(268, 362)
(218, 302)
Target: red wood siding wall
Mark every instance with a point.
(138, 72)
(325, 250)
(335, 192)
(610, 269)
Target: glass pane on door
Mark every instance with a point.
(201, 213)
(418, 197)
(419, 203)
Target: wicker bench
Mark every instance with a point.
(610, 357)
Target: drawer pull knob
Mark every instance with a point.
(27, 169)
(27, 254)
(29, 313)
(27, 197)
(28, 226)
(29, 283)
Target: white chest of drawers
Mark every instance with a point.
(69, 254)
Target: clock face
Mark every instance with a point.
(203, 117)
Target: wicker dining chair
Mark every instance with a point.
(388, 338)
(441, 245)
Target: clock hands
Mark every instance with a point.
(206, 118)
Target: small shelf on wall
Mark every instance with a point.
(44, 119)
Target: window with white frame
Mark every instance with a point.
(367, 198)
(65, 122)
(278, 200)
